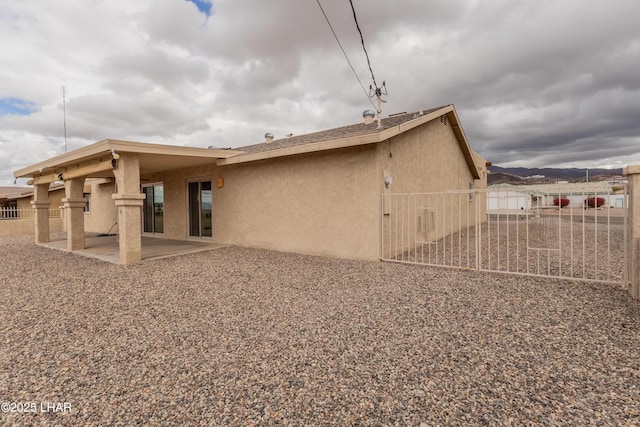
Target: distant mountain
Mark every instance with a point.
(500, 175)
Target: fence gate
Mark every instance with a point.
(573, 233)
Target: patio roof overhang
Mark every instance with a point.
(94, 161)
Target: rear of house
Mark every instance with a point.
(319, 193)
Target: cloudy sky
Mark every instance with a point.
(535, 83)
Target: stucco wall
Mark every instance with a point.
(55, 197)
(318, 204)
(325, 204)
(26, 227)
(25, 209)
(103, 215)
(321, 203)
(426, 159)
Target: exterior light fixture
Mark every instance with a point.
(388, 181)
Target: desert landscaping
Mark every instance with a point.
(238, 336)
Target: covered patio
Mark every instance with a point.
(122, 161)
(106, 248)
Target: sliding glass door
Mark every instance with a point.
(200, 209)
(153, 208)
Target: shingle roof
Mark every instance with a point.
(355, 135)
(349, 131)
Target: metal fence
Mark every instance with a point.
(563, 232)
(24, 213)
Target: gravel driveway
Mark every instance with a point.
(242, 336)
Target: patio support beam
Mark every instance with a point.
(41, 206)
(633, 252)
(129, 201)
(74, 204)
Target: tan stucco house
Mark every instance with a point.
(318, 193)
(16, 213)
(9, 196)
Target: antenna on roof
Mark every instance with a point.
(64, 118)
(378, 94)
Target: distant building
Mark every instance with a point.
(517, 198)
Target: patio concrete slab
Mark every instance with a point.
(106, 248)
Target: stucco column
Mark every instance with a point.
(129, 201)
(74, 204)
(41, 205)
(633, 273)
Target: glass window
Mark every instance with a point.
(153, 208)
(200, 209)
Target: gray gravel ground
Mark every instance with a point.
(252, 337)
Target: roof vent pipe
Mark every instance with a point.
(268, 137)
(368, 116)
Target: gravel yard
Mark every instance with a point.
(240, 336)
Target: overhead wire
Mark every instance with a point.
(345, 53)
(355, 18)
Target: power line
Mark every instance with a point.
(378, 92)
(345, 53)
(355, 18)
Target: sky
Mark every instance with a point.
(543, 83)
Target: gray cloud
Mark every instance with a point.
(542, 83)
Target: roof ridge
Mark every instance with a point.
(345, 131)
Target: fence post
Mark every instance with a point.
(633, 251)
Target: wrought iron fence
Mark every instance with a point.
(565, 232)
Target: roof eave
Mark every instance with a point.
(454, 121)
(62, 159)
(107, 145)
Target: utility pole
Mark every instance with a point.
(64, 118)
